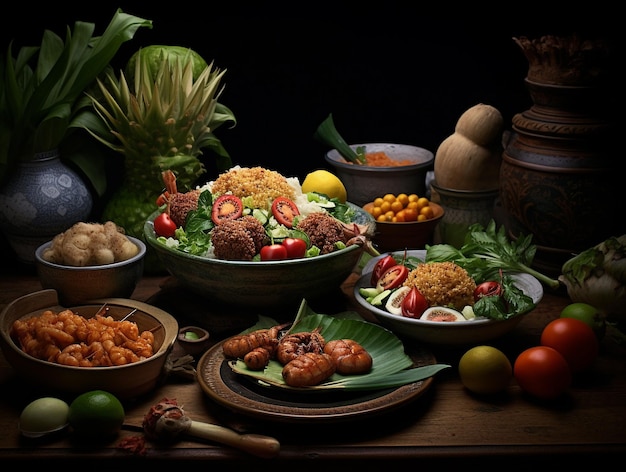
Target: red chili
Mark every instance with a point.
(414, 304)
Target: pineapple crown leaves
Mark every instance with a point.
(170, 114)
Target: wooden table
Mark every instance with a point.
(446, 426)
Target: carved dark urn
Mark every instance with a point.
(561, 177)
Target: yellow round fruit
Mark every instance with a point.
(322, 181)
(485, 370)
(96, 413)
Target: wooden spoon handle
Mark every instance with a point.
(256, 444)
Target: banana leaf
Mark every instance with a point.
(391, 367)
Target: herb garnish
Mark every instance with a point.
(487, 250)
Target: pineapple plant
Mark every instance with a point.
(160, 120)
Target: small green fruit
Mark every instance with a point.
(587, 314)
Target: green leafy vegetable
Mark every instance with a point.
(43, 87)
(487, 250)
(327, 133)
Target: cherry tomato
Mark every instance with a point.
(574, 339)
(226, 207)
(542, 372)
(164, 225)
(296, 247)
(381, 267)
(273, 252)
(284, 210)
(414, 304)
(487, 289)
(392, 278)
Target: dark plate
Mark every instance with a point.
(243, 395)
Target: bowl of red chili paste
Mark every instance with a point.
(390, 168)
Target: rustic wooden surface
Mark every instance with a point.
(445, 426)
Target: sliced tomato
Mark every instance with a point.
(226, 207)
(490, 288)
(273, 252)
(296, 247)
(164, 225)
(414, 304)
(284, 210)
(392, 278)
(381, 267)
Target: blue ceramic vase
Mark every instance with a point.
(43, 198)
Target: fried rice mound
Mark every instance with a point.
(443, 284)
(260, 184)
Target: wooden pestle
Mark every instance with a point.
(166, 421)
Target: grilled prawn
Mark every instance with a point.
(349, 356)
(238, 346)
(308, 369)
(296, 344)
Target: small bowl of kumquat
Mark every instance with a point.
(403, 221)
(389, 168)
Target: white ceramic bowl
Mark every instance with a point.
(125, 381)
(365, 183)
(79, 284)
(439, 333)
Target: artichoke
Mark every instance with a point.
(597, 276)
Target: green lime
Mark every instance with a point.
(96, 414)
(587, 314)
(485, 370)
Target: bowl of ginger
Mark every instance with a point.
(387, 168)
(90, 261)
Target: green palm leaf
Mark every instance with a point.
(392, 367)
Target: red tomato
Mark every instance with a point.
(164, 225)
(284, 210)
(392, 278)
(542, 372)
(487, 289)
(381, 267)
(296, 247)
(226, 207)
(414, 304)
(273, 252)
(574, 339)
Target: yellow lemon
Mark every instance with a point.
(485, 370)
(322, 181)
(96, 414)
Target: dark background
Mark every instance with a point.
(387, 75)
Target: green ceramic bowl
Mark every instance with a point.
(259, 284)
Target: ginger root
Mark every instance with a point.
(86, 244)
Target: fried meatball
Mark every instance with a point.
(181, 204)
(238, 240)
(323, 231)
